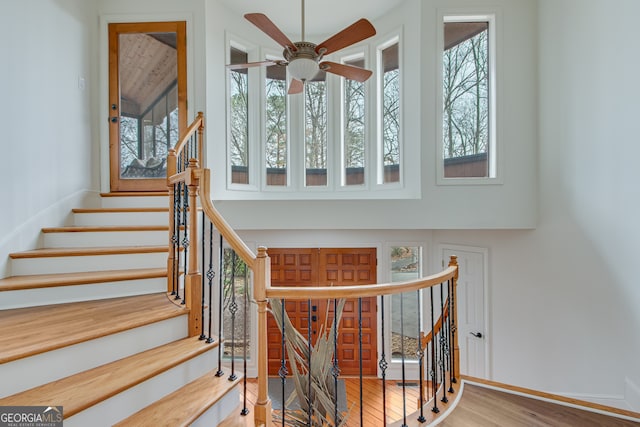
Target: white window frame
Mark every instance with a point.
(373, 188)
(394, 371)
(269, 54)
(349, 55)
(495, 141)
(253, 145)
(389, 40)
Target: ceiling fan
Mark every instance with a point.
(304, 59)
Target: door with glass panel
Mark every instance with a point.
(147, 101)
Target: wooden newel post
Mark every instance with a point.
(193, 281)
(453, 262)
(262, 277)
(171, 259)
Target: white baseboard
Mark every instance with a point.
(614, 401)
(632, 394)
(27, 235)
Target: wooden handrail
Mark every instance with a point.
(426, 339)
(198, 180)
(197, 125)
(313, 292)
(229, 234)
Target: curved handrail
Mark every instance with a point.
(197, 124)
(188, 179)
(218, 220)
(289, 292)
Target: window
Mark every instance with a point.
(239, 118)
(390, 114)
(353, 131)
(276, 154)
(322, 142)
(405, 308)
(236, 306)
(468, 137)
(315, 130)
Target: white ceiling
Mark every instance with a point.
(323, 17)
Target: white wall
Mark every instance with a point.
(564, 299)
(45, 114)
(590, 144)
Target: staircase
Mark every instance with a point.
(86, 323)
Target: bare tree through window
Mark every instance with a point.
(466, 100)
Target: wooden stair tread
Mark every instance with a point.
(120, 210)
(33, 330)
(105, 228)
(135, 194)
(80, 391)
(183, 406)
(37, 281)
(63, 252)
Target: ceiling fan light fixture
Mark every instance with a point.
(303, 69)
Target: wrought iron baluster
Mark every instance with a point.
(420, 354)
(360, 361)
(210, 276)
(233, 309)
(443, 348)
(220, 372)
(178, 227)
(434, 373)
(282, 372)
(383, 364)
(185, 238)
(452, 318)
(245, 409)
(309, 348)
(203, 336)
(404, 379)
(449, 317)
(175, 239)
(335, 369)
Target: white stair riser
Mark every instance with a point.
(132, 400)
(121, 218)
(30, 372)
(221, 410)
(105, 239)
(83, 292)
(77, 264)
(135, 202)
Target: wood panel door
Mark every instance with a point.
(147, 101)
(325, 267)
(290, 267)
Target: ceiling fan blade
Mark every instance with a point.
(261, 21)
(296, 86)
(348, 71)
(250, 64)
(358, 31)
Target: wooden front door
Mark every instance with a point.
(325, 267)
(147, 101)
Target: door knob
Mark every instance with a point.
(476, 334)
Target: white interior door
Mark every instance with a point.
(472, 337)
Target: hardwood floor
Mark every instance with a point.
(481, 407)
(478, 407)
